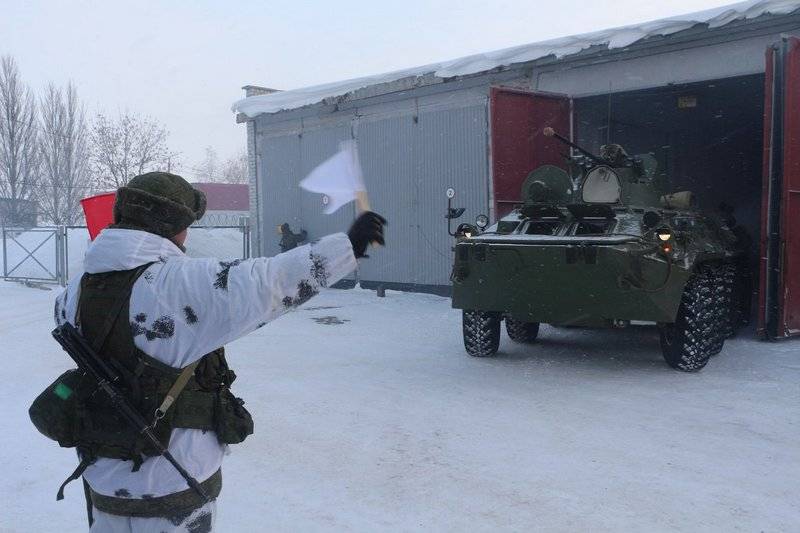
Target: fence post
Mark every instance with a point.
(5, 258)
(64, 265)
(59, 252)
(244, 224)
(247, 239)
(66, 256)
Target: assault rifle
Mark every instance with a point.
(91, 364)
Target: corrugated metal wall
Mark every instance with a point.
(279, 168)
(411, 152)
(316, 145)
(452, 152)
(386, 149)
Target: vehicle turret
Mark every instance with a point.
(615, 178)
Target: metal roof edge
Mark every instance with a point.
(698, 35)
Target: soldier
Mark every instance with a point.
(614, 154)
(151, 311)
(290, 240)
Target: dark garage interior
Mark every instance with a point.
(707, 137)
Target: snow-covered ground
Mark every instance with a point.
(370, 417)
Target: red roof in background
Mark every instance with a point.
(225, 196)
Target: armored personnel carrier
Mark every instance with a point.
(601, 246)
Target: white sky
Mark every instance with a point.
(184, 62)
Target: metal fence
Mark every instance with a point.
(42, 254)
(34, 254)
(216, 218)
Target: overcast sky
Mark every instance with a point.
(184, 62)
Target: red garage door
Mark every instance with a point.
(518, 145)
(779, 308)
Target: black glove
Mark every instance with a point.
(367, 228)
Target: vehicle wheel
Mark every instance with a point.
(736, 278)
(481, 332)
(732, 315)
(688, 343)
(519, 331)
(720, 278)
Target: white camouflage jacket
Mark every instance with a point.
(182, 308)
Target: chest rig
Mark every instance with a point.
(205, 402)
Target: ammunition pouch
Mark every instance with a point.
(232, 422)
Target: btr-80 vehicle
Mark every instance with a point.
(601, 248)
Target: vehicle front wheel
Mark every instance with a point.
(721, 278)
(519, 331)
(690, 341)
(733, 276)
(481, 332)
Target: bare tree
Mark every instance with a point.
(235, 169)
(126, 146)
(18, 139)
(207, 169)
(64, 152)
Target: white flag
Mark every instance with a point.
(339, 178)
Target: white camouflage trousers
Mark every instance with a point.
(200, 520)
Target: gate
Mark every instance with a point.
(35, 254)
(779, 306)
(518, 144)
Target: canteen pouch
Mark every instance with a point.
(55, 411)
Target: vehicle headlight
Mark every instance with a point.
(466, 231)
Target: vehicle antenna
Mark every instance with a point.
(608, 127)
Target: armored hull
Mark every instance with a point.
(590, 282)
(602, 247)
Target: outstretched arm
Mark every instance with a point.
(215, 302)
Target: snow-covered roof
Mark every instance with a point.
(559, 48)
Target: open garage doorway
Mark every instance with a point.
(707, 137)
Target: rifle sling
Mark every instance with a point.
(175, 390)
(83, 465)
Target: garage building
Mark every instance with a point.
(715, 96)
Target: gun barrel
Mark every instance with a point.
(88, 361)
(550, 132)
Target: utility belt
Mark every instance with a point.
(171, 505)
(102, 432)
(72, 412)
